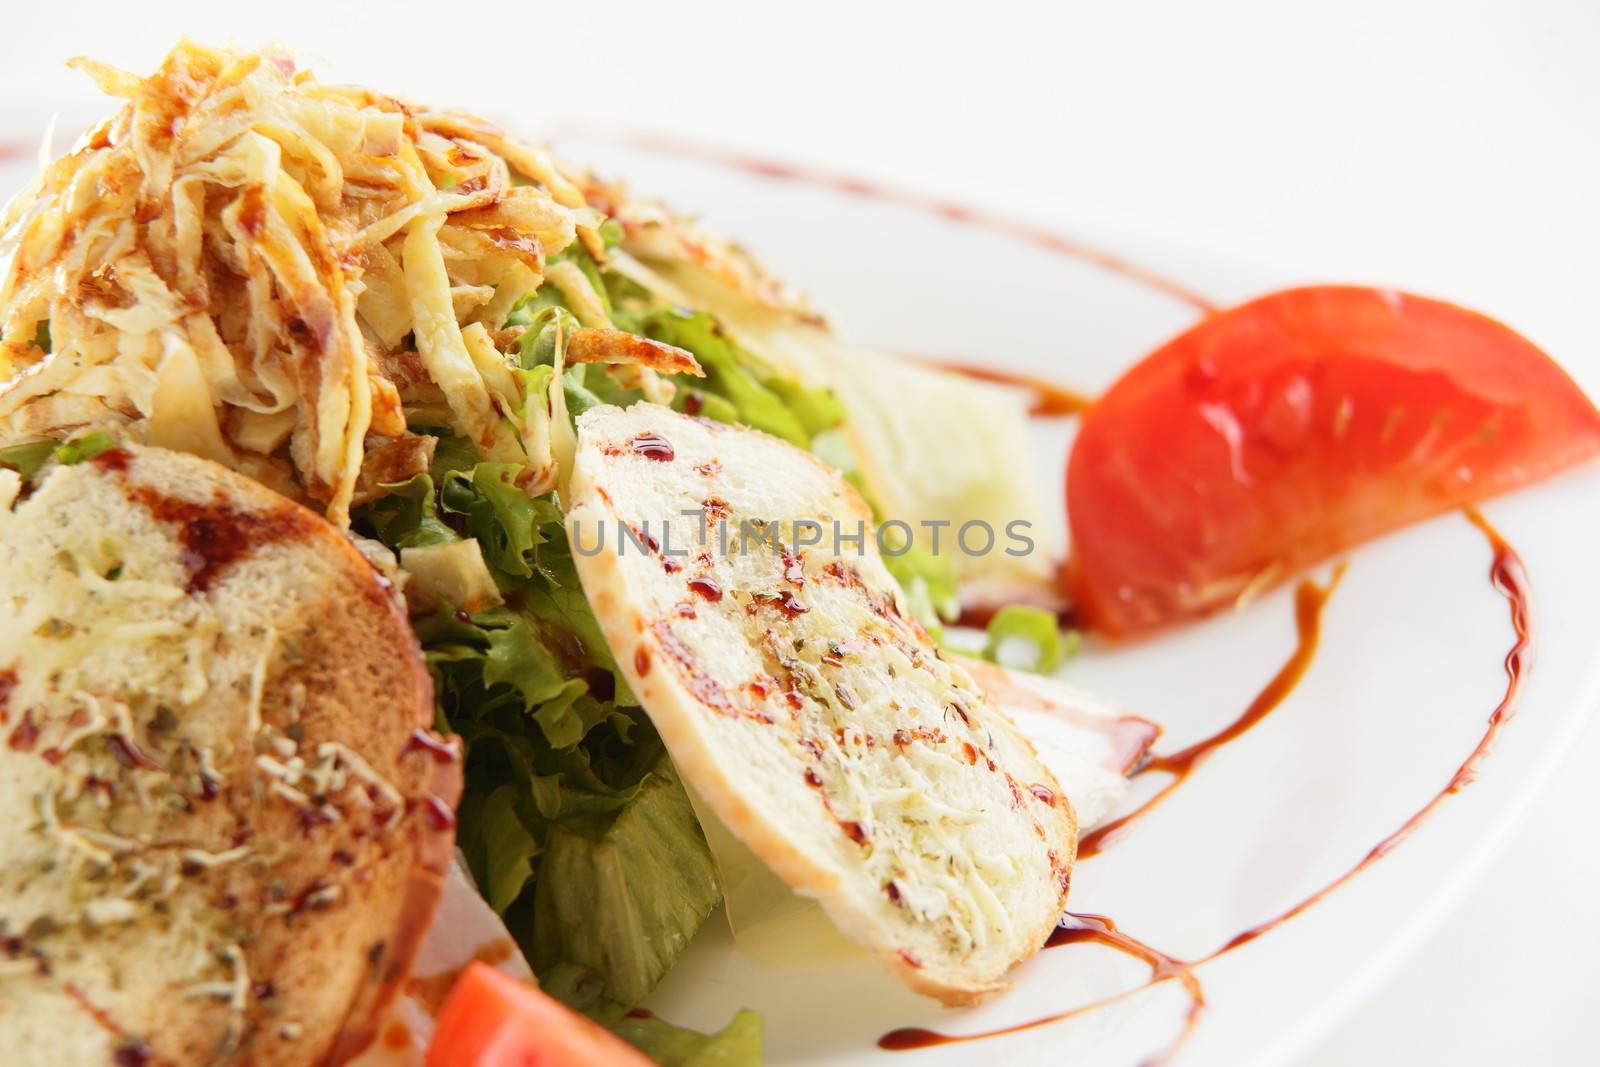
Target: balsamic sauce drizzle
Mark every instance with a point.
(1076, 929)
(948, 210)
(1309, 600)
(1048, 399)
(1509, 577)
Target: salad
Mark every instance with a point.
(416, 325)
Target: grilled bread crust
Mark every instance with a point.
(225, 823)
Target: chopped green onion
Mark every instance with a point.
(84, 448)
(1033, 628)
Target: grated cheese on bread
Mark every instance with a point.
(804, 705)
(220, 843)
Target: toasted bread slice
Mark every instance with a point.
(805, 707)
(221, 841)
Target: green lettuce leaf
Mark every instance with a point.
(707, 405)
(27, 459)
(406, 517)
(929, 581)
(623, 895)
(570, 806)
(727, 374)
(507, 847)
(736, 1045)
(510, 525)
(518, 658)
(585, 385)
(817, 409)
(527, 310)
(544, 326)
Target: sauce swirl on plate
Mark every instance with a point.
(1309, 600)
(1509, 578)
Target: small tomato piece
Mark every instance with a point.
(493, 1020)
(1280, 432)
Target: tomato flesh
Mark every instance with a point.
(492, 1020)
(1280, 432)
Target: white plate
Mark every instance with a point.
(1409, 669)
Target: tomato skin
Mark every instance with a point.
(1280, 432)
(493, 1020)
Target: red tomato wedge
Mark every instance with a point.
(1277, 433)
(492, 1020)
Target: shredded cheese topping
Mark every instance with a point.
(267, 271)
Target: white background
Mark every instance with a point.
(1451, 148)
